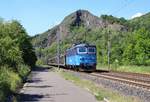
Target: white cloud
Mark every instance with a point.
(136, 15)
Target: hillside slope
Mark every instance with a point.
(127, 37)
(143, 21)
(76, 19)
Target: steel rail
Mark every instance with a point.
(127, 81)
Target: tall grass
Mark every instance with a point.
(126, 68)
(23, 71)
(10, 80)
(39, 62)
(136, 69)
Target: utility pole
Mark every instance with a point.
(58, 47)
(40, 55)
(86, 31)
(85, 37)
(108, 47)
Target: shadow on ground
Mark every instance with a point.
(43, 86)
(22, 97)
(41, 68)
(28, 97)
(37, 98)
(35, 80)
(34, 98)
(35, 70)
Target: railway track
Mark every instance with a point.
(143, 78)
(133, 79)
(125, 80)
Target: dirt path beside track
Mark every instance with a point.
(47, 86)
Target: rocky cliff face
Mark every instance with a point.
(85, 18)
(78, 18)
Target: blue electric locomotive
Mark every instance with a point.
(81, 57)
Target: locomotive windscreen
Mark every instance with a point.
(91, 50)
(85, 50)
(82, 49)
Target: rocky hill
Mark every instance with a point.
(76, 19)
(129, 39)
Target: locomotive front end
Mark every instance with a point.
(87, 58)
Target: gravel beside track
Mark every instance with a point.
(141, 77)
(120, 87)
(124, 79)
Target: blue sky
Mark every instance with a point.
(38, 16)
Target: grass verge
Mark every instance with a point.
(134, 69)
(98, 91)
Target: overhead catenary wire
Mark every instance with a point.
(122, 7)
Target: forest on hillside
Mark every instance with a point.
(127, 47)
(17, 57)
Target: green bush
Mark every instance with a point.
(39, 62)
(16, 52)
(9, 81)
(4, 90)
(23, 70)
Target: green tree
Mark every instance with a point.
(9, 52)
(24, 43)
(16, 52)
(137, 49)
(142, 47)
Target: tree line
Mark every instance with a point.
(127, 47)
(17, 56)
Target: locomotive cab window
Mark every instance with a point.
(91, 50)
(82, 50)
